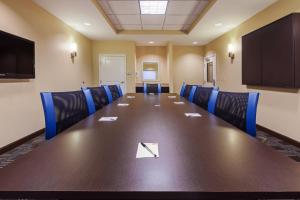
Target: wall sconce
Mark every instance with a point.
(231, 51)
(73, 48)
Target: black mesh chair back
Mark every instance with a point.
(201, 96)
(232, 107)
(99, 96)
(70, 108)
(114, 91)
(152, 88)
(187, 91)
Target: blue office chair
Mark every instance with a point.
(120, 90)
(64, 109)
(192, 93)
(239, 109)
(202, 96)
(89, 101)
(152, 88)
(99, 96)
(189, 91)
(182, 89)
(108, 93)
(114, 90)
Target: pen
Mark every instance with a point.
(145, 146)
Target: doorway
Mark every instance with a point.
(112, 70)
(210, 70)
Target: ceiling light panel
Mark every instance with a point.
(153, 7)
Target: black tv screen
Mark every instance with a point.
(16, 57)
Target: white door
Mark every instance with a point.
(112, 70)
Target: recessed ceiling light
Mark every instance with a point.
(218, 24)
(153, 7)
(195, 43)
(87, 24)
(151, 42)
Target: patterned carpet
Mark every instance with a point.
(12, 155)
(283, 147)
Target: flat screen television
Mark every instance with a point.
(17, 57)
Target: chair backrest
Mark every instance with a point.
(159, 88)
(99, 96)
(63, 109)
(239, 109)
(120, 90)
(182, 89)
(114, 90)
(187, 90)
(192, 92)
(152, 88)
(108, 93)
(202, 96)
(89, 101)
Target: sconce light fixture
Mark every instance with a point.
(231, 51)
(73, 48)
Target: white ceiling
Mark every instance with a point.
(230, 13)
(126, 15)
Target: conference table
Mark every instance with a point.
(199, 157)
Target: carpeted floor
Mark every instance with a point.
(12, 155)
(281, 146)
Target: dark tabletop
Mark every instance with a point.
(198, 158)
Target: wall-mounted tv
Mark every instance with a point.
(16, 57)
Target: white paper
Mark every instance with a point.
(192, 114)
(151, 94)
(171, 97)
(130, 97)
(157, 105)
(142, 152)
(178, 102)
(123, 104)
(107, 119)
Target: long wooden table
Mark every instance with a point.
(199, 158)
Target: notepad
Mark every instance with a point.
(123, 104)
(130, 97)
(178, 102)
(157, 105)
(193, 115)
(143, 152)
(171, 97)
(107, 119)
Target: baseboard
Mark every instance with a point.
(279, 135)
(21, 141)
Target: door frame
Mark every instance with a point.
(111, 55)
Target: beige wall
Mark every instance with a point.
(116, 47)
(152, 54)
(187, 66)
(20, 104)
(278, 109)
